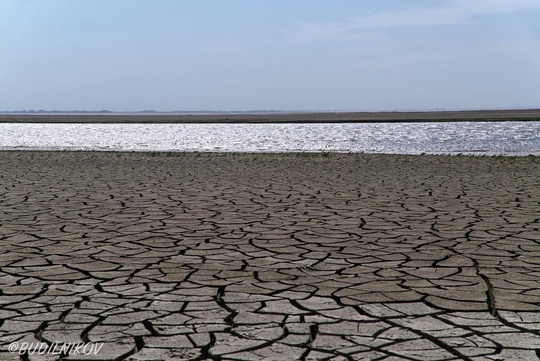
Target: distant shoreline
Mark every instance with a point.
(277, 117)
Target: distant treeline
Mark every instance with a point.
(56, 111)
(138, 112)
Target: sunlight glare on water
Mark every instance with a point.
(510, 138)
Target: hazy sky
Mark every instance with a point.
(128, 55)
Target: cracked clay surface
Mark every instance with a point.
(271, 257)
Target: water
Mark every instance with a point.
(508, 138)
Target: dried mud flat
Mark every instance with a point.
(271, 257)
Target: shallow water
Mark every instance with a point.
(508, 138)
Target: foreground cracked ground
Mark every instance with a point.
(271, 257)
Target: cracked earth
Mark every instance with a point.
(271, 257)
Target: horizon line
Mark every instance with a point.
(262, 111)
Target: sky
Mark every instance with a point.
(247, 55)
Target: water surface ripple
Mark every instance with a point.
(508, 138)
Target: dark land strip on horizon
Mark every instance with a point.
(276, 117)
